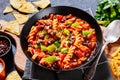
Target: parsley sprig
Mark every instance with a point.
(107, 11)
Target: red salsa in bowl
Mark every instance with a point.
(5, 45)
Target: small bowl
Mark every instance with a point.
(5, 46)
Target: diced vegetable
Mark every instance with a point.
(36, 46)
(66, 32)
(57, 43)
(44, 31)
(51, 59)
(67, 41)
(75, 24)
(59, 49)
(62, 56)
(43, 48)
(68, 23)
(64, 50)
(58, 34)
(46, 36)
(86, 32)
(51, 48)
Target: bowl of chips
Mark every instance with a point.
(61, 38)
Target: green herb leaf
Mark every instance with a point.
(102, 1)
(118, 7)
(113, 13)
(51, 59)
(108, 10)
(106, 6)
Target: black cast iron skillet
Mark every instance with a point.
(63, 10)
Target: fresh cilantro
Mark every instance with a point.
(107, 11)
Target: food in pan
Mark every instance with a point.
(61, 41)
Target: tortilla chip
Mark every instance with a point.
(42, 3)
(8, 9)
(16, 3)
(21, 18)
(23, 6)
(27, 7)
(23, 1)
(12, 26)
(13, 76)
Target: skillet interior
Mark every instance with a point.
(63, 10)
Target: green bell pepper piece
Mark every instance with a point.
(86, 32)
(66, 32)
(51, 48)
(75, 24)
(64, 50)
(43, 48)
(51, 59)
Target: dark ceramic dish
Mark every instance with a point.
(63, 10)
(5, 45)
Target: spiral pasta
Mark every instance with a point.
(61, 41)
